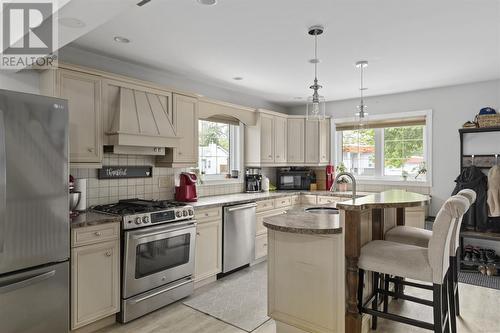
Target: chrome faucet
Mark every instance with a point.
(350, 175)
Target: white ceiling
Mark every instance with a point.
(409, 44)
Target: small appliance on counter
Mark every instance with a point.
(295, 178)
(74, 197)
(186, 191)
(253, 180)
(330, 176)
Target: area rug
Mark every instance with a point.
(480, 280)
(239, 299)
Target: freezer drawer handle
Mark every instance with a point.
(232, 209)
(27, 282)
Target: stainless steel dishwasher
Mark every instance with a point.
(239, 236)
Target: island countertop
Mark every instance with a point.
(298, 221)
(386, 199)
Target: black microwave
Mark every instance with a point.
(295, 178)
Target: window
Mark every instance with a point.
(385, 149)
(403, 150)
(358, 151)
(218, 152)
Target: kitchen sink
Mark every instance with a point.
(322, 210)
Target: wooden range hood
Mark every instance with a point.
(140, 117)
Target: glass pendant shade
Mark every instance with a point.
(316, 108)
(362, 116)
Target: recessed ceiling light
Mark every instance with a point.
(237, 78)
(120, 39)
(71, 22)
(207, 2)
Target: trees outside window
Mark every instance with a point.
(388, 152)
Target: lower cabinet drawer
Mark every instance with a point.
(208, 214)
(95, 234)
(326, 199)
(260, 246)
(308, 199)
(283, 202)
(264, 205)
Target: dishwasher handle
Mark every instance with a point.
(240, 207)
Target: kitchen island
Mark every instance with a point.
(312, 261)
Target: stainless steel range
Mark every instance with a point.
(158, 243)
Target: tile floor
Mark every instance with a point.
(480, 313)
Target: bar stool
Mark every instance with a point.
(414, 262)
(421, 237)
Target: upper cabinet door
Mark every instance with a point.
(312, 141)
(280, 140)
(324, 141)
(295, 140)
(266, 138)
(186, 115)
(83, 92)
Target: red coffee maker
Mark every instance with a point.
(330, 176)
(186, 191)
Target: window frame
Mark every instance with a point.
(380, 178)
(236, 133)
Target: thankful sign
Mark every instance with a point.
(114, 172)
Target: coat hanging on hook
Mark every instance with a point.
(494, 191)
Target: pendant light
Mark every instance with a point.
(362, 115)
(315, 104)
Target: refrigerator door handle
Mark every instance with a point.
(26, 282)
(3, 181)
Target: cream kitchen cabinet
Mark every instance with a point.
(266, 138)
(186, 124)
(280, 140)
(208, 255)
(95, 274)
(266, 143)
(317, 142)
(83, 92)
(295, 140)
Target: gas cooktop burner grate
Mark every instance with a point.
(137, 206)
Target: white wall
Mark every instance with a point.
(86, 58)
(25, 81)
(452, 106)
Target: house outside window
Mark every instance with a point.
(218, 152)
(396, 149)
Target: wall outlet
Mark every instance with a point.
(163, 182)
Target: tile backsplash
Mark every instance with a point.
(104, 191)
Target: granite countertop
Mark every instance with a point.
(237, 198)
(386, 199)
(298, 221)
(91, 218)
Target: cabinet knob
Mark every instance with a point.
(278, 156)
(197, 233)
(269, 156)
(98, 233)
(90, 149)
(108, 254)
(180, 153)
(265, 245)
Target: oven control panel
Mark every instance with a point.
(163, 216)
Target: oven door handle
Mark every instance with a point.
(142, 299)
(141, 234)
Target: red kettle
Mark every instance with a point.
(186, 191)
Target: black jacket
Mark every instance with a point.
(477, 216)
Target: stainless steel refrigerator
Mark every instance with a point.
(34, 214)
